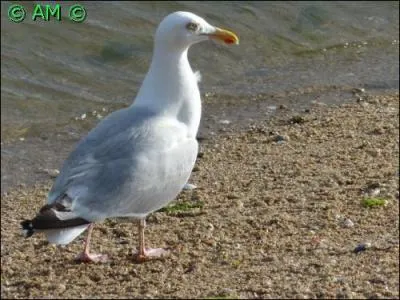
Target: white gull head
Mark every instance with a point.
(183, 29)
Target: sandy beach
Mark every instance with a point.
(278, 212)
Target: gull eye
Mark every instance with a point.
(192, 26)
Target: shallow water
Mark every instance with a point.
(53, 72)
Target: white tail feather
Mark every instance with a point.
(65, 235)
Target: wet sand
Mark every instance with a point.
(277, 214)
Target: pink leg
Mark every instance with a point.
(87, 257)
(146, 254)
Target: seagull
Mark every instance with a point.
(137, 159)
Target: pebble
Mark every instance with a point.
(358, 90)
(83, 116)
(224, 122)
(189, 186)
(61, 288)
(297, 120)
(374, 192)
(374, 152)
(362, 247)
(239, 204)
(210, 227)
(348, 223)
(281, 138)
(372, 189)
(210, 242)
(50, 172)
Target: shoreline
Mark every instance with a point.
(32, 152)
(275, 197)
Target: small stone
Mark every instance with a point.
(53, 172)
(283, 106)
(372, 189)
(226, 122)
(233, 196)
(374, 192)
(358, 90)
(83, 116)
(362, 247)
(22, 139)
(210, 242)
(297, 120)
(374, 152)
(50, 172)
(279, 138)
(239, 204)
(210, 227)
(189, 186)
(348, 223)
(61, 287)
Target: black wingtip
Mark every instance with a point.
(27, 228)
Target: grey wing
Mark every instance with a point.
(104, 145)
(113, 169)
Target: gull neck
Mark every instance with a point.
(170, 88)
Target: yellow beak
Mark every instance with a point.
(228, 37)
